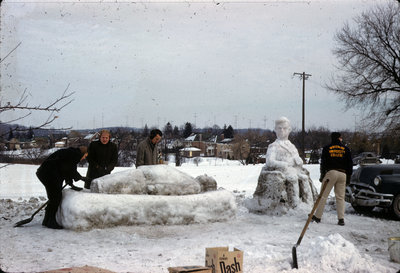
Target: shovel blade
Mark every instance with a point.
(23, 222)
(294, 256)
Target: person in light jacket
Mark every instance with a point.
(336, 169)
(147, 151)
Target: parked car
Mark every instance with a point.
(397, 159)
(366, 158)
(375, 186)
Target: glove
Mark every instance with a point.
(85, 179)
(321, 177)
(75, 188)
(69, 182)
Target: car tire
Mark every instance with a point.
(396, 206)
(362, 209)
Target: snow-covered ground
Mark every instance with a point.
(359, 246)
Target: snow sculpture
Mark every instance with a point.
(155, 179)
(283, 182)
(157, 194)
(207, 183)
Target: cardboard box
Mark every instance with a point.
(221, 260)
(187, 269)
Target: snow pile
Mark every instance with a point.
(157, 179)
(334, 254)
(85, 211)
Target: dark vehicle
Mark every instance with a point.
(397, 159)
(366, 158)
(375, 186)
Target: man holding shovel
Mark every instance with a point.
(59, 166)
(336, 169)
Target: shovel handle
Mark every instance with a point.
(312, 211)
(294, 248)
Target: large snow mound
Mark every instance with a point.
(85, 210)
(334, 254)
(154, 179)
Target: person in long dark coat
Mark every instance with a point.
(59, 166)
(102, 158)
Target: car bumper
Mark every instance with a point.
(367, 198)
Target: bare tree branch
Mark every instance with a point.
(10, 52)
(54, 107)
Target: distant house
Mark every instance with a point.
(190, 152)
(212, 147)
(59, 144)
(14, 144)
(192, 137)
(90, 137)
(225, 151)
(172, 144)
(258, 153)
(226, 140)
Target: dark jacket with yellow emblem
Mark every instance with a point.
(336, 156)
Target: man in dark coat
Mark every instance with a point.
(102, 158)
(336, 169)
(147, 151)
(59, 166)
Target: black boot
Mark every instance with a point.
(52, 223)
(46, 218)
(87, 184)
(315, 219)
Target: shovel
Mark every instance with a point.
(28, 220)
(294, 248)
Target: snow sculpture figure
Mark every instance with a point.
(283, 182)
(153, 180)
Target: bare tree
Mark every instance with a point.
(369, 65)
(241, 149)
(25, 110)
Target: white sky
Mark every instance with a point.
(153, 62)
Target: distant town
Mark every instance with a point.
(19, 144)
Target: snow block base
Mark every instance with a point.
(85, 210)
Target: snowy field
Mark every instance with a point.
(359, 246)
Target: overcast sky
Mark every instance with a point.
(136, 63)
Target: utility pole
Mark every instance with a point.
(265, 122)
(304, 77)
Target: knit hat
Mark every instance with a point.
(335, 136)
